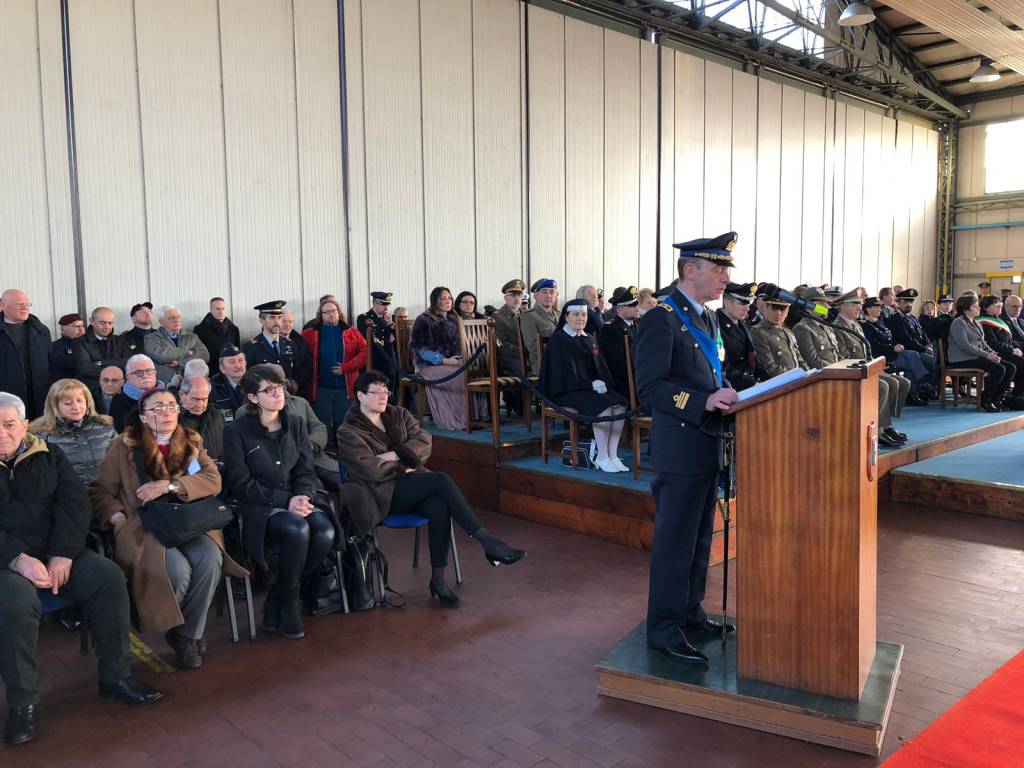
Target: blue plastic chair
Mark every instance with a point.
(415, 522)
(51, 603)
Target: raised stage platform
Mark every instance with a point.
(511, 478)
(984, 479)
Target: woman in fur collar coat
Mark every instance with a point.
(384, 449)
(171, 588)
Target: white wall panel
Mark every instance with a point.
(717, 148)
(744, 174)
(58, 182)
(25, 236)
(838, 192)
(976, 186)
(689, 140)
(929, 184)
(446, 29)
(359, 260)
(622, 162)
(262, 153)
(113, 210)
(919, 172)
(965, 159)
(584, 153)
(547, 144)
(902, 190)
(871, 211)
(769, 153)
(394, 159)
(828, 191)
(667, 182)
(648, 203)
(183, 137)
(886, 202)
(854, 197)
(811, 270)
(498, 144)
(791, 187)
(318, 116)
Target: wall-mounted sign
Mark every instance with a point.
(1006, 263)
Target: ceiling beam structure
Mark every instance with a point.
(893, 79)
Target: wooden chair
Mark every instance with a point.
(368, 334)
(547, 414)
(482, 376)
(407, 376)
(524, 366)
(959, 376)
(638, 424)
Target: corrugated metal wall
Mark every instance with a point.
(486, 140)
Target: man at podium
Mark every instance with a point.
(679, 376)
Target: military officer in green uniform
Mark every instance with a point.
(506, 331)
(541, 320)
(774, 344)
(679, 376)
(817, 342)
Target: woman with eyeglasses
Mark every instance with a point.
(384, 449)
(465, 306)
(171, 588)
(268, 468)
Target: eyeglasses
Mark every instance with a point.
(271, 391)
(382, 391)
(164, 409)
(143, 372)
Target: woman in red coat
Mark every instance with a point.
(339, 355)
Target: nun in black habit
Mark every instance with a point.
(575, 375)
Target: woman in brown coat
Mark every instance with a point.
(384, 449)
(172, 588)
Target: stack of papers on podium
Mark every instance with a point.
(775, 382)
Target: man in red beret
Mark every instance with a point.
(64, 352)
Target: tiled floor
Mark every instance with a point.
(508, 679)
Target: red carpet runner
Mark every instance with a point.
(985, 729)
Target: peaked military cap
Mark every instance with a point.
(514, 286)
(872, 301)
(907, 293)
(985, 284)
(624, 296)
(774, 301)
(229, 350)
(812, 294)
(741, 292)
(137, 307)
(834, 291)
(850, 297)
(382, 296)
(717, 250)
(270, 307)
(946, 299)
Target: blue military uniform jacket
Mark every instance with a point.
(258, 350)
(880, 338)
(383, 354)
(674, 379)
(225, 397)
(907, 330)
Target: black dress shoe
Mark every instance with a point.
(130, 691)
(709, 627)
(21, 725)
(990, 407)
(899, 437)
(684, 652)
(889, 442)
(446, 599)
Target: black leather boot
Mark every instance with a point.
(291, 617)
(272, 611)
(21, 725)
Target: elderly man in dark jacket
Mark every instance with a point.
(44, 519)
(24, 352)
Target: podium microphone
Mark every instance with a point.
(773, 291)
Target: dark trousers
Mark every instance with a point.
(435, 496)
(998, 379)
(98, 585)
(1017, 375)
(683, 526)
(302, 543)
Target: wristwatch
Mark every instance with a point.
(172, 487)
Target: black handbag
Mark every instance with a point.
(175, 522)
(583, 451)
(321, 591)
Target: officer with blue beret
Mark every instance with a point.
(680, 377)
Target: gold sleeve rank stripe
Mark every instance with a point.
(681, 400)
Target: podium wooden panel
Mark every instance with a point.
(806, 468)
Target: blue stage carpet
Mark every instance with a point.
(996, 461)
(929, 423)
(618, 480)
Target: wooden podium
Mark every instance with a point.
(806, 468)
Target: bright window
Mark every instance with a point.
(776, 28)
(1004, 161)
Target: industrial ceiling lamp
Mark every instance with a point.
(856, 14)
(985, 73)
